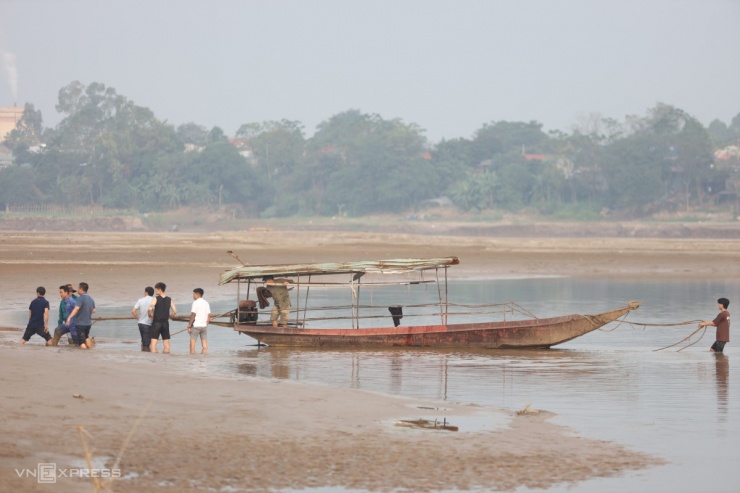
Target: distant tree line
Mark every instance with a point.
(110, 152)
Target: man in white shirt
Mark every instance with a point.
(141, 312)
(200, 315)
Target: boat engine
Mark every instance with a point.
(248, 312)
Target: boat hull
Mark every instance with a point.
(520, 334)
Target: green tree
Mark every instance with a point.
(633, 170)
(113, 141)
(227, 176)
(504, 137)
(18, 186)
(192, 133)
(277, 146)
(475, 191)
(452, 159)
(28, 131)
(720, 134)
(376, 163)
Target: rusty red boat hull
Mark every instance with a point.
(521, 334)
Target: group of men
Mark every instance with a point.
(75, 316)
(154, 311)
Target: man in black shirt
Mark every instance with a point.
(159, 312)
(38, 318)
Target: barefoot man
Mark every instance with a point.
(200, 315)
(159, 312)
(38, 318)
(722, 322)
(84, 309)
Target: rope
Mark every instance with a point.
(179, 318)
(688, 322)
(685, 338)
(621, 321)
(643, 324)
(600, 324)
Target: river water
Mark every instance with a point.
(610, 384)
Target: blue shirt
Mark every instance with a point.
(37, 307)
(84, 314)
(69, 305)
(63, 311)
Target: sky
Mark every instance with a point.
(447, 66)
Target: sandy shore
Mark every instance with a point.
(200, 432)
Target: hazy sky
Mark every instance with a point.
(448, 66)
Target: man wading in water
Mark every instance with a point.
(159, 312)
(722, 322)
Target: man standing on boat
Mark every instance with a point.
(159, 312)
(281, 300)
(200, 315)
(722, 322)
(140, 311)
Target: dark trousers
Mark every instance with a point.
(35, 330)
(83, 332)
(718, 346)
(145, 331)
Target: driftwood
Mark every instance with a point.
(426, 424)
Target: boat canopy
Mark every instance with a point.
(392, 266)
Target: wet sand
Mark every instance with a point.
(201, 432)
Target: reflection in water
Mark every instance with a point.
(446, 374)
(722, 369)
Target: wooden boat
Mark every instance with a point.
(454, 325)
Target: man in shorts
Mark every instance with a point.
(722, 322)
(141, 312)
(84, 308)
(159, 312)
(200, 315)
(38, 318)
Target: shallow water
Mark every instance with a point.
(612, 385)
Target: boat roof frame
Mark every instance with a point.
(389, 266)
